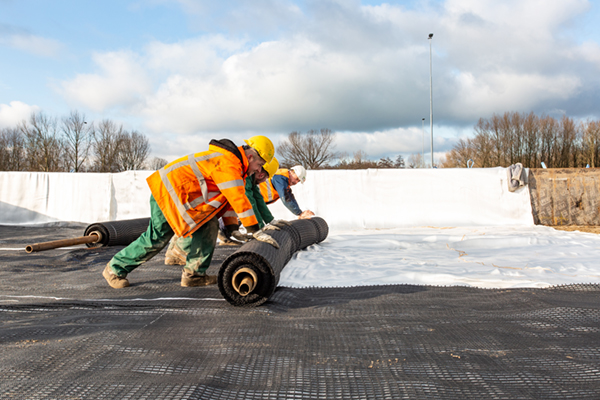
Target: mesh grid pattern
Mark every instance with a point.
(267, 261)
(80, 339)
(117, 233)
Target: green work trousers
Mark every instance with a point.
(199, 247)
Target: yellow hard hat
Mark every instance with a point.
(271, 167)
(263, 146)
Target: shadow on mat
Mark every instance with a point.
(292, 298)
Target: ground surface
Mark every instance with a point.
(581, 228)
(67, 335)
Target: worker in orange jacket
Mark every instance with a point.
(176, 256)
(280, 186)
(188, 197)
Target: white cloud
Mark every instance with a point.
(498, 92)
(360, 70)
(288, 84)
(121, 82)
(390, 143)
(192, 57)
(33, 44)
(13, 113)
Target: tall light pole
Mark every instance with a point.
(423, 138)
(430, 99)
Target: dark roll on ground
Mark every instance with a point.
(117, 233)
(248, 277)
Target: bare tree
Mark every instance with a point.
(360, 156)
(78, 136)
(484, 146)
(415, 160)
(399, 163)
(106, 146)
(569, 142)
(157, 163)
(12, 151)
(361, 161)
(530, 140)
(548, 130)
(461, 153)
(385, 162)
(133, 151)
(43, 145)
(591, 143)
(312, 150)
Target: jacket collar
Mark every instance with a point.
(229, 146)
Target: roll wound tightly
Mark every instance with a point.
(249, 276)
(100, 234)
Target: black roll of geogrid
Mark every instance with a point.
(117, 233)
(249, 276)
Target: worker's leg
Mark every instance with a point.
(149, 244)
(174, 254)
(199, 249)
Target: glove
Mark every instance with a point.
(261, 236)
(242, 237)
(276, 225)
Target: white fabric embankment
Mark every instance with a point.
(38, 197)
(346, 199)
(392, 198)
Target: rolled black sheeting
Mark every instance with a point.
(267, 261)
(118, 233)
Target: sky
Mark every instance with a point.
(183, 72)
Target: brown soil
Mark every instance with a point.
(580, 228)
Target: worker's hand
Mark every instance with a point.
(276, 225)
(241, 237)
(306, 214)
(262, 236)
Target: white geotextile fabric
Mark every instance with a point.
(392, 198)
(38, 197)
(346, 199)
(485, 257)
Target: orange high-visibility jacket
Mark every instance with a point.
(193, 189)
(268, 190)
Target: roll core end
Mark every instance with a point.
(244, 281)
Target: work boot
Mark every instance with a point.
(225, 241)
(175, 256)
(113, 280)
(189, 279)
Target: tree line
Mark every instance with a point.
(71, 144)
(48, 144)
(513, 137)
(315, 149)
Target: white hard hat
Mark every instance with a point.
(300, 172)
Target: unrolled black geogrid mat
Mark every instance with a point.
(65, 334)
(383, 342)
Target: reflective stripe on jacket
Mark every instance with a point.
(193, 189)
(267, 189)
(268, 192)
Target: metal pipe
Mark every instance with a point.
(93, 237)
(244, 281)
